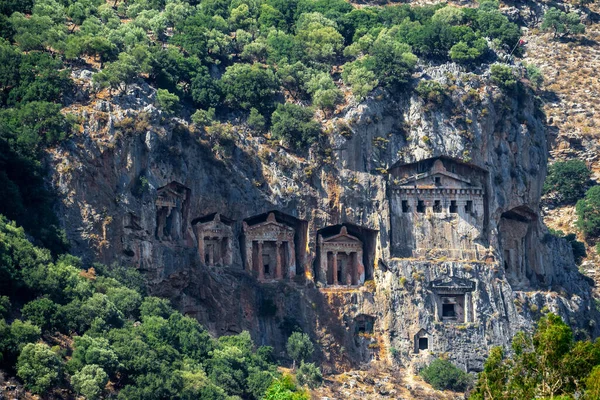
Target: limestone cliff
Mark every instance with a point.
(136, 188)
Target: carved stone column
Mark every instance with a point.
(335, 268)
(278, 266)
(228, 251)
(291, 267)
(161, 220)
(219, 251)
(259, 258)
(468, 308)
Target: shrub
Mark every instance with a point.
(39, 367)
(256, 120)
(203, 118)
(309, 374)
(588, 213)
(90, 381)
(284, 389)
(567, 180)
(295, 126)
(561, 23)
(431, 91)
(167, 101)
(443, 375)
(503, 76)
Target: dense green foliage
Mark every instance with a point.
(547, 364)
(299, 347)
(164, 355)
(567, 180)
(443, 375)
(588, 213)
(562, 23)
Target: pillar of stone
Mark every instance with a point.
(249, 256)
(201, 246)
(259, 258)
(278, 266)
(335, 268)
(360, 268)
(323, 267)
(291, 267)
(219, 251)
(468, 306)
(228, 251)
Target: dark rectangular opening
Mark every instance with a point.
(423, 343)
(266, 269)
(437, 206)
(405, 206)
(453, 207)
(448, 311)
(469, 206)
(339, 275)
(438, 180)
(420, 206)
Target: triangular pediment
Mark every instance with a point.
(342, 237)
(427, 178)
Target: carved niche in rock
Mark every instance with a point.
(341, 259)
(452, 299)
(172, 208)
(270, 249)
(421, 341)
(516, 230)
(438, 210)
(215, 239)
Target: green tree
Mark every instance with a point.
(256, 120)
(90, 381)
(588, 213)
(443, 375)
(561, 23)
(39, 367)
(96, 351)
(319, 37)
(156, 307)
(299, 347)
(295, 126)
(360, 78)
(167, 101)
(248, 86)
(43, 313)
(567, 180)
(325, 94)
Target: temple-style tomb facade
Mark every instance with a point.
(215, 240)
(438, 210)
(172, 212)
(341, 259)
(270, 249)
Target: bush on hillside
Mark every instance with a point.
(443, 375)
(588, 213)
(567, 180)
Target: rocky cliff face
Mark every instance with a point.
(133, 183)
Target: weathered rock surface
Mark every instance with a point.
(108, 178)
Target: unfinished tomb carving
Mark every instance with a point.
(172, 205)
(271, 245)
(438, 209)
(215, 240)
(453, 300)
(516, 230)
